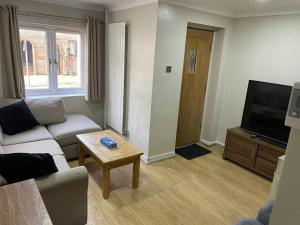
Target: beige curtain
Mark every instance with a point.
(95, 51)
(10, 54)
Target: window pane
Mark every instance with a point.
(34, 58)
(68, 59)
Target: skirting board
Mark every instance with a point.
(152, 159)
(210, 143)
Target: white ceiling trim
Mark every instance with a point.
(273, 13)
(127, 5)
(75, 4)
(231, 15)
(197, 7)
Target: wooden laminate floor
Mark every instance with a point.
(204, 191)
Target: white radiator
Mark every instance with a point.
(116, 75)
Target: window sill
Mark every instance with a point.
(54, 96)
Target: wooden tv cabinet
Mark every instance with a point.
(253, 153)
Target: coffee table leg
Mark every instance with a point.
(106, 182)
(81, 155)
(136, 173)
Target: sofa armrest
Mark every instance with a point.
(65, 196)
(264, 214)
(248, 221)
(2, 181)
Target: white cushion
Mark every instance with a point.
(45, 146)
(38, 133)
(65, 133)
(47, 110)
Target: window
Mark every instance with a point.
(52, 60)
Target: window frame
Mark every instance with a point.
(50, 33)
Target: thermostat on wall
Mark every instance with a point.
(293, 115)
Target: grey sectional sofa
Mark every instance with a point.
(65, 192)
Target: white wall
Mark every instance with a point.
(73, 104)
(141, 26)
(287, 209)
(170, 46)
(265, 49)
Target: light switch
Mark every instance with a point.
(168, 69)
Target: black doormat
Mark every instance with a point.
(192, 151)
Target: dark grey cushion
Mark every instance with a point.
(248, 222)
(264, 213)
(17, 167)
(16, 118)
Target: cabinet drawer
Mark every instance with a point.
(265, 167)
(240, 150)
(269, 154)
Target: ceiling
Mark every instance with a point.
(232, 8)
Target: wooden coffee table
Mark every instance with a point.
(108, 159)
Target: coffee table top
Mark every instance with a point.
(102, 154)
(21, 203)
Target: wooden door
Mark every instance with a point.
(193, 88)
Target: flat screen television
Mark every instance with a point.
(265, 111)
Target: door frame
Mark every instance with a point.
(206, 84)
(214, 83)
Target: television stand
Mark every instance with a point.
(254, 154)
(255, 136)
(273, 142)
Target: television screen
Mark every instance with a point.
(265, 111)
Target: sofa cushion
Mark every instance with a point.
(45, 146)
(1, 136)
(2, 180)
(17, 167)
(65, 133)
(16, 118)
(38, 133)
(47, 110)
(1, 150)
(61, 162)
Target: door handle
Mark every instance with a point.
(253, 151)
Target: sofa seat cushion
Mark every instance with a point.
(2, 150)
(45, 146)
(61, 162)
(38, 133)
(65, 133)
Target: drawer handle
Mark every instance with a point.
(253, 151)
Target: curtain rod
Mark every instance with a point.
(24, 13)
